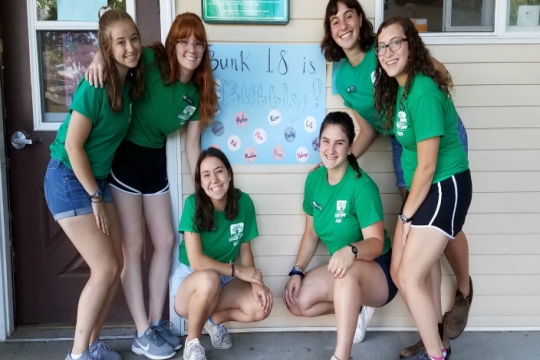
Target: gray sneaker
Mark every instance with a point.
(85, 356)
(194, 350)
(422, 355)
(219, 336)
(163, 329)
(152, 346)
(101, 351)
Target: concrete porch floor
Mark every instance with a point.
(35, 343)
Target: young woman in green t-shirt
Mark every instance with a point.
(218, 223)
(413, 98)
(343, 209)
(76, 187)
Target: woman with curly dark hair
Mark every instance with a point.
(180, 90)
(349, 38)
(413, 98)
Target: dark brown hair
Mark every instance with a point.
(203, 218)
(107, 20)
(183, 26)
(344, 121)
(329, 48)
(418, 61)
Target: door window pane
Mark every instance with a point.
(64, 57)
(81, 10)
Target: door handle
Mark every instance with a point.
(20, 139)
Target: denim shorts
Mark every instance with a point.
(397, 149)
(65, 195)
(182, 271)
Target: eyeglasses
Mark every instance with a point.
(394, 45)
(197, 45)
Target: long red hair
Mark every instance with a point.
(183, 26)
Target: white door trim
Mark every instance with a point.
(7, 322)
(174, 167)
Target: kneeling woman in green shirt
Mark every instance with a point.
(218, 223)
(343, 209)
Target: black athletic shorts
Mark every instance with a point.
(446, 205)
(139, 170)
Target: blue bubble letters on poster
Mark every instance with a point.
(269, 87)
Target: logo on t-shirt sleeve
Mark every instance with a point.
(187, 113)
(237, 233)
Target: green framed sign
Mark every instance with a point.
(246, 11)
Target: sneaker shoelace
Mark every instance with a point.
(101, 347)
(221, 332)
(156, 339)
(165, 328)
(198, 351)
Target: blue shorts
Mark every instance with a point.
(397, 149)
(182, 271)
(65, 195)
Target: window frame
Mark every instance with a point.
(36, 78)
(502, 33)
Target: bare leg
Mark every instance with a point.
(196, 298)
(98, 251)
(158, 215)
(457, 254)
(421, 253)
(237, 303)
(321, 294)
(116, 238)
(131, 220)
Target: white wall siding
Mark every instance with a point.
(497, 94)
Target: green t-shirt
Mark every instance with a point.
(426, 113)
(163, 108)
(108, 128)
(341, 211)
(221, 243)
(355, 85)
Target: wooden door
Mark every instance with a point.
(49, 273)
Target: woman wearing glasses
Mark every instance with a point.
(413, 98)
(180, 89)
(348, 36)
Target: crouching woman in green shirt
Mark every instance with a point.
(343, 209)
(218, 223)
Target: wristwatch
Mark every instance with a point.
(97, 194)
(404, 219)
(354, 250)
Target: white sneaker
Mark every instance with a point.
(361, 325)
(193, 350)
(219, 336)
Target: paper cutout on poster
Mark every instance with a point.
(271, 103)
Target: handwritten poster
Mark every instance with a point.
(271, 103)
